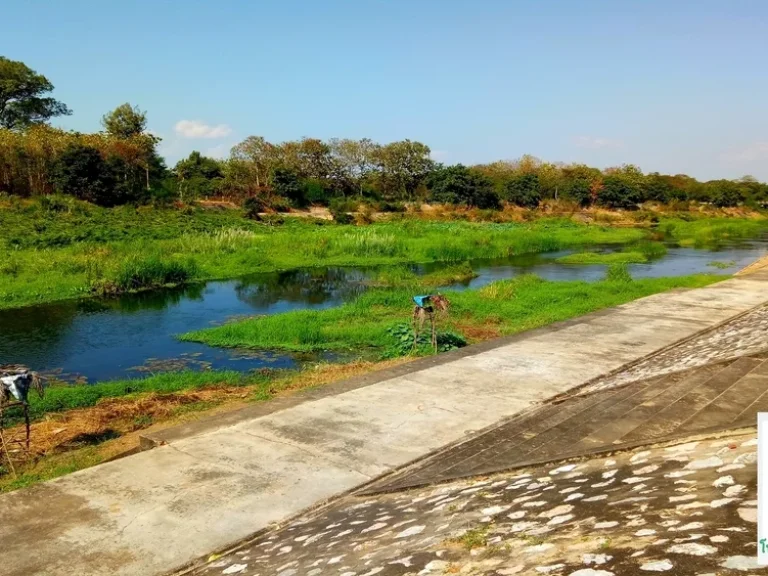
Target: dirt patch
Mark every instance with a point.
(478, 332)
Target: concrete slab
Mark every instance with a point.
(218, 482)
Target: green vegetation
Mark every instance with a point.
(637, 253)
(65, 397)
(47, 255)
(710, 232)
(721, 265)
(508, 306)
(603, 258)
(394, 276)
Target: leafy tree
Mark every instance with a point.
(198, 176)
(619, 192)
(356, 157)
(523, 190)
(22, 100)
(286, 183)
(658, 188)
(82, 172)
(125, 121)
(579, 190)
(724, 193)
(404, 165)
(459, 185)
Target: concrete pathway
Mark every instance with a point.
(156, 511)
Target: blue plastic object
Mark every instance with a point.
(421, 301)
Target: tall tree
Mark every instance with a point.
(404, 166)
(125, 121)
(22, 100)
(356, 157)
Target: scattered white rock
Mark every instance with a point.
(752, 442)
(636, 479)
(721, 502)
(574, 496)
(711, 462)
(404, 561)
(539, 548)
(412, 531)
(434, 566)
(610, 473)
(692, 548)
(511, 571)
(734, 490)
(595, 559)
(730, 467)
(235, 569)
(741, 563)
(609, 524)
(687, 447)
(566, 468)
(748, 514)
(679, 473)
(596, 498)
(373, 527)
(550, 568)
(723, 481)
(560, 519)
(646, 469)
(591, 572)
(657, 566)
(609, 463)
(690, 526)
(719, 538)
(645, 532)
(640, 456)
(556, 511)
(493, 510)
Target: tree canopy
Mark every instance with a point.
(22, 96)
(125, 121)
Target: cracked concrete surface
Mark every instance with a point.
(158, 510)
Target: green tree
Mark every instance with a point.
(82, 172)
(198, 176)
(22, 96)
(125, 121)
(404, 166)
(286, 183)
(461, 185)
(523, 190)
(619, 192)
(658, 188)
(724, 193)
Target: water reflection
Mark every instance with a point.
(100, 339)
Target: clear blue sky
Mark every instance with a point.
(670, 85)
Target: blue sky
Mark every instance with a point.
(670, 85)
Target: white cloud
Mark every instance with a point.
(438, 155)
(595, 142)
(198, 129)
(750, 153)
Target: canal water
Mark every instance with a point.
(100, 339)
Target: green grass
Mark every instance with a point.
(636, 253)
(603, 258)
(710, 232)
(401, 276)
(721, 265)
(509, 305)
(59, 256)
(66, 397)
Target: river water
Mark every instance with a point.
(100, 339)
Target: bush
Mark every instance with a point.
(81, 172)
(280, 204)
(341, 217)
(139, 273)
(343, 205)
(392, 207)
(618, 273)
(460, 185)
(403, 337)
(253, 206)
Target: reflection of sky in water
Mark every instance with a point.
(104, 339)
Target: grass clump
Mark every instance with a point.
(603, 258)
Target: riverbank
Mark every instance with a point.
(78, 426)
(79, 250)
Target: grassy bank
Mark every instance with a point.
(65, 249)
(29, 275)
(503, 307)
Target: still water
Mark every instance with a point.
(100, 339)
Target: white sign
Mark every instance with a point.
(762, 487)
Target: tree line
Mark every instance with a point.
(121, 165)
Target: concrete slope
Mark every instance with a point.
(158, 510)
(712, 398)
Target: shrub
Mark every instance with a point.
(618, 273)
(341, 217)
(253, 206)
(403, 341)
(138, 273)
